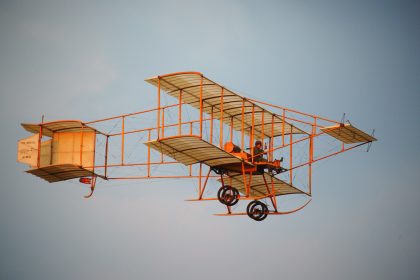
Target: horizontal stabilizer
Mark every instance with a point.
(61, 172)
(348, 134)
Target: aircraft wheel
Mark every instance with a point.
(257, 210)
(228, 195)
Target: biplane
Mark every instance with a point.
(254, 152)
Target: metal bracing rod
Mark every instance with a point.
(330, 155)
(293, 111)
(295, 142)
(132, 114)
(154, 128)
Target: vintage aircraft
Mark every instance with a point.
(205, 132)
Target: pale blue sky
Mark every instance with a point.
(88, 59)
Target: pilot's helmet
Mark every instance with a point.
(258, 142)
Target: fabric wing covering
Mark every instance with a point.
(348, 134)
(192, 149)
(56, 173)
(59, 126)
(187, 87)
(258, 186)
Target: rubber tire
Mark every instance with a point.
(221, 195)
(251, 208)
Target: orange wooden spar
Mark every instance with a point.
(94, 155)
(231, 129)
(148, 153)
(201, 106)
(81, 148)
(273, 191)
(244, 178)
(122, 140)
(163, 122)
(38, 161)
(221, 118)
(179, 113)
(158, 110)
(272, 139)
(106, 156)
(211, 124)
(134, 164)
(156, 177)
(200, 170)
(191, 132)
(200, 197)
(282, 127)
(311, 154)
(262, 127)
(243, 126)
(291, 159)
(251, 144)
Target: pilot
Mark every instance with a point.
(258, 152)
(273, 166)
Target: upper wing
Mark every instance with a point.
(186, 86)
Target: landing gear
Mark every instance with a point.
(228, 195)
(257, 210)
